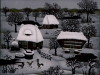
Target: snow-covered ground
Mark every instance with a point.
(96, 40)
(34, 69)
(56, 60)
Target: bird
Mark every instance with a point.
(21, 65)
(30, 63)
(39, 64)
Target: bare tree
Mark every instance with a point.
(88, 6)
(53, 44)
(60, 15)
(5, 10)
(52, 9)
(35, 14)
(83, 20)
(7, 37)
(27, 12)
(47, 8)
(92, 63)
(89, 31)
(65, 10)
(56, 33)
(14, 18)
(56, 9)
(70, 14)
(88, 60)
(71, 25)
(73, 63)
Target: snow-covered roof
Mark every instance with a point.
(14, 43)
(50, 19)
(72, 35)
(29, 22)
(35, 34)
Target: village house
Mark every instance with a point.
(29, 36)
(50, 22)
(71, 39)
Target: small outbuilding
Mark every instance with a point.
(71, 39)
(50, 22)
(29, 36)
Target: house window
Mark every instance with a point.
(19, 42)
(48, 26)
(54, 26)
(44, 26)
(34, 44)
(40, 44)
(25, 44)
(27, 32)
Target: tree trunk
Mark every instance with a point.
(88, 42)
(35, 18)
(55, 52)
(73, 70)
(89, 72)
(5, 14)
(27, 17)
(15, 28)
(7, 45)
(87, 17)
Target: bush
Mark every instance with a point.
(9, 69)
(3, 46)
(14, 48)
(52, 71)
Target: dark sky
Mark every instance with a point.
(40, 3)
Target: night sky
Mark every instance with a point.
(40, 3)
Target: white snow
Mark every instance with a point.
(19, 55)
(36, 35)
(28, 53)
(26, 70)
(14, 43)
(47, 63)
(72, 35)
(50, 19)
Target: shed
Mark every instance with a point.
(30, 37)
(50, 22)
(71, 39)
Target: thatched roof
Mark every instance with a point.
(72, 35)
(29, 32)
(49, 20)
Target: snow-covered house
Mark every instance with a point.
(50, 22)
(29, 36)
(71, 39)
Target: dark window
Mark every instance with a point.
(25, 44)
(34, 44)
(28, 32)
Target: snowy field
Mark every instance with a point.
(96, 40)
(56, 60)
